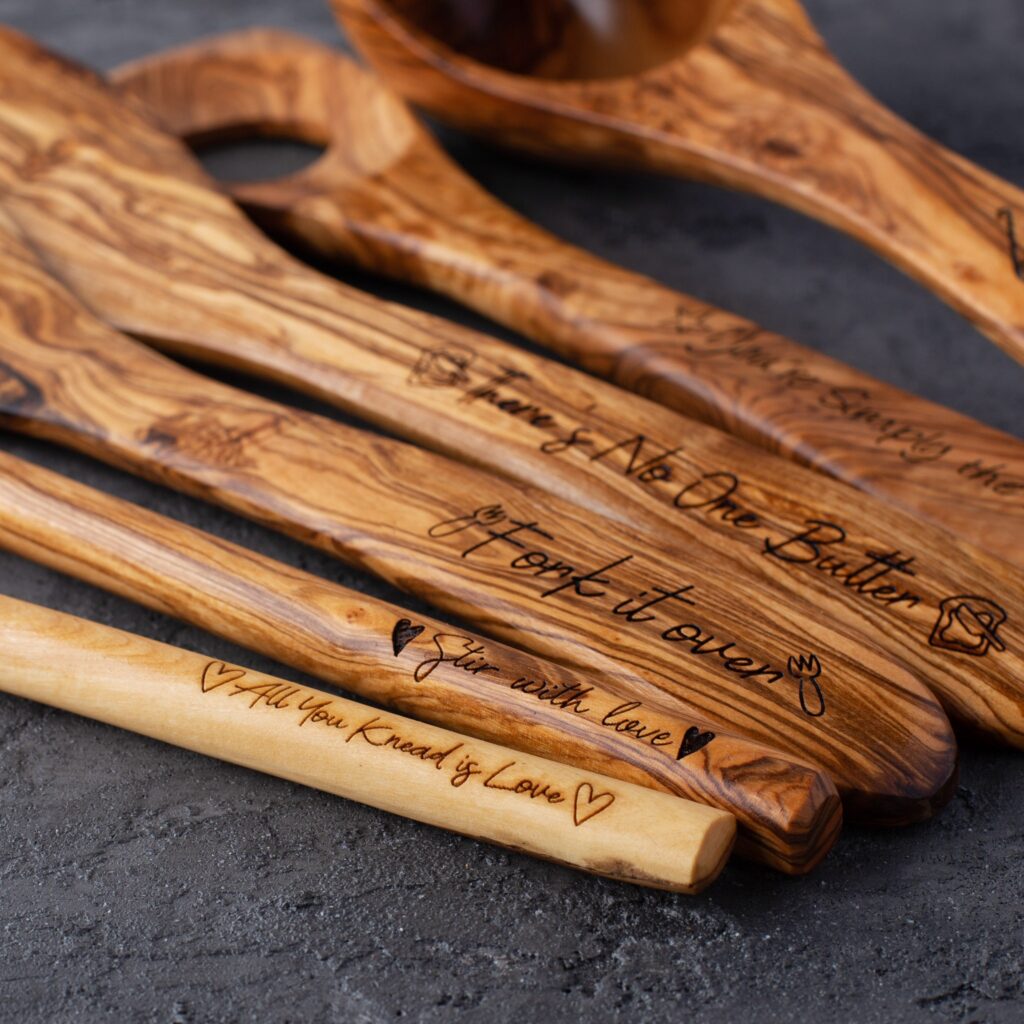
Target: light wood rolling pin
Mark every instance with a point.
(519, 564)
(386, 196)
(125, 216)
(528, 804)
(788, 813)
(741, 93)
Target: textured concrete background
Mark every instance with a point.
(144, 883)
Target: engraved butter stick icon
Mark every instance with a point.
(968, 624)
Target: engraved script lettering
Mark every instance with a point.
(707, 339)
(717, 496)
(219, 680)
(572, 698)
(537, 557)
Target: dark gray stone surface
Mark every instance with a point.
(143, 883)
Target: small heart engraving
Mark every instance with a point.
(588, 803)
(217, 674)
(403, 634)
(693, 740)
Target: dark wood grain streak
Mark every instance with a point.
(387, 197)
(789, 812)
(758, 103)
(396, 511)
(163, 256)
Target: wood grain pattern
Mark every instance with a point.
(519, 564)
(387, 197)
(580, 819)
(161, 255)
(789, 813)
(757, 104)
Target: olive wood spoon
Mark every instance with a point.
(741, 93)
(386, 196)
(519, 564)
(789, 813)
(586, 821)
(172, 261)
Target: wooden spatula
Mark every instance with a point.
(387, 197)
(124, 215)
(519, 564)
(789, 813)
(581, 819)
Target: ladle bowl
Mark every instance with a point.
(562, 39)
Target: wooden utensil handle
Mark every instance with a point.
(789, 813)
(421, 219)
(584, 820)
(519, 564)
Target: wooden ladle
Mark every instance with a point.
(122, 213)
(386, 196)
(674, 627)
(742, 93)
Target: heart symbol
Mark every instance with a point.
(585, 807)
(217, 674)
(403, 634)
(693, 740)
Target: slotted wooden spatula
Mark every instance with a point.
(789, 813)
(125, 216)
(520, 564)
(387, 197)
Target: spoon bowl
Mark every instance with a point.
(581, 39)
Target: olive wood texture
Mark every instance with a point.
(526, 803)
(386, 196)
(519, 564)
(789, 813)
(164, 257)
(752, 99)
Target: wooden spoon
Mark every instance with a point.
(160, 254)
(789, 813)
(583, 820)
(742, 93)
(521, 565)
(386, 196)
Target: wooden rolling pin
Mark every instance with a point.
(128, 219)
(386, 196)
(519, 564)
(528, 804)
(788, 813)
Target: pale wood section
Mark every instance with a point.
(518, 563)
(127, 218)
(788, 813)
(760, 104)
(386, 196)
(580, 819)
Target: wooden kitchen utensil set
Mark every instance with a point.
(652, 601)
(386, 196)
